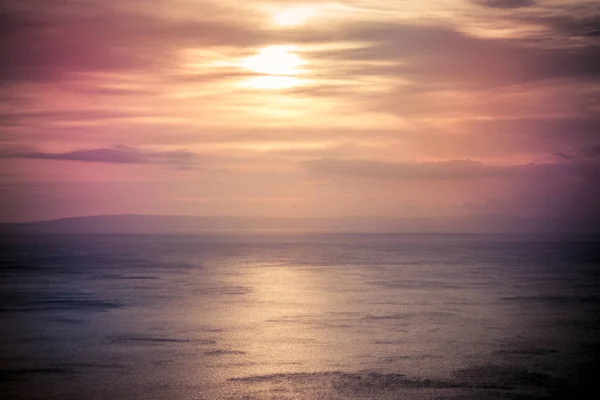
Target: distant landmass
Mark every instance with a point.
(199, 224)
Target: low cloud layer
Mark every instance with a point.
(505, 3)
(453, 170)
(115, 155)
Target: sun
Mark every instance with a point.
(276, 67)
(294, 16)
(274, 60)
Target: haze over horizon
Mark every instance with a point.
(452, 108)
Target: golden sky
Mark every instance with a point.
(313, 108)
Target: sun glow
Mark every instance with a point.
(294, 16)
(274, 60)
(278, 65)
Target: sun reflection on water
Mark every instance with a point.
(282, 299)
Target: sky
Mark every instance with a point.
(430, 108)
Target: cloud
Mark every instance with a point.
(434, 55)
(495, 140)
(532, 133)
(48, 43)
(429, 171)
(115, 155)
(562, 155)
(579, 21)
(588, 26)
(592, 151)
(505, 3)
(453, 170)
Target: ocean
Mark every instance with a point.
(299, 316)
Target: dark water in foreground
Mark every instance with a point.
(298, 317)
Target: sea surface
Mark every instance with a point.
(299, 317)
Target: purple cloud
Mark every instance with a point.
(505, 3)
(115, 155)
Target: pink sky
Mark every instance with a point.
(310, 108)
